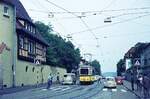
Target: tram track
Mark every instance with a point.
(87, 92)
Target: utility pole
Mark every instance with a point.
(14, 49)
(88, 55)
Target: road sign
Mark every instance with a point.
(37, 62)
(137, 63)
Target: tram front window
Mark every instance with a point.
(84, 71)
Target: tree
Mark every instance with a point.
(96, 66)
(60, 52)
(120, 67)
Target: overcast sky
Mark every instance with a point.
(107, 42)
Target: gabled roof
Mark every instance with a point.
(20, 10)
(21, 13)
(136, 50)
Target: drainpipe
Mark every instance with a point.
(1, 75)
(14, 49)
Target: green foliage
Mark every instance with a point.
(120, 67)
(97, 67)
(60, 52)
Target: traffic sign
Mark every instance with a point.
(37, 62)
(137, 63)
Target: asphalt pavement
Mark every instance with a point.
(94, 91)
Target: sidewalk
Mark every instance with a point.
(139, 94)
(18, 89)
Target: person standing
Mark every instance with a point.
(146, 82)
(140, 78)
(49, 81)
(58, 80)
(132, 81)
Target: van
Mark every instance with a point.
(69, 78)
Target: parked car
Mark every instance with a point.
(69, 78)
(119, 80)
(110, 82)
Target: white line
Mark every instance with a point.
(56, 88)
(105, 89)
(114, 90)
(123, 90)
(65, 89)
(44, 89)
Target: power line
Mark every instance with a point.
(99, 27)
(61, 7)
(113, 16)
(75, 16)
(90, 31)
(101, 11)
(108, 5)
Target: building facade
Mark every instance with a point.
(22, 48)
(145, 60)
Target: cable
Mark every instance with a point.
(101, 11)
(76, 16)
(90, 31)
(108, 5)
(61, 8)
(99, 27)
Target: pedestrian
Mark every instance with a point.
(49, 81)
(132, 81)
(58, 80)
(146, 85)
(140, 78)
(99, 80)
(138, 82)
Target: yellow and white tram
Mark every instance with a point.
(86, 74)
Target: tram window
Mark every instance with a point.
(84, 71)
(65, 75)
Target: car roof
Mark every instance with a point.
(69, 74)
(109, 77)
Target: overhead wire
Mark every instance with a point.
(101, 11)
(76, 16)
(103, 26)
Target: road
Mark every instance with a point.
(94, 91)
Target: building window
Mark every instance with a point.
(34, 30)
(145, 61)
(31, 47)
(26, 26)
(42, 69)
(33, 69)
(21, 42)
(26, 68)
(6, 11)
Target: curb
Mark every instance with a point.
(133, 92)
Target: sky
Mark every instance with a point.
(107, 42)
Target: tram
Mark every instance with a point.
(86, 74)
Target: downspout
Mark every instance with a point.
(1, 74)
(14, 49)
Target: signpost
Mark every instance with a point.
(137, 63)
(37, 61)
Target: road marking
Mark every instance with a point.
(105, 89)
(44, 89)
(123, 90)
(66, 89)
(55, 88)
(114, 90)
